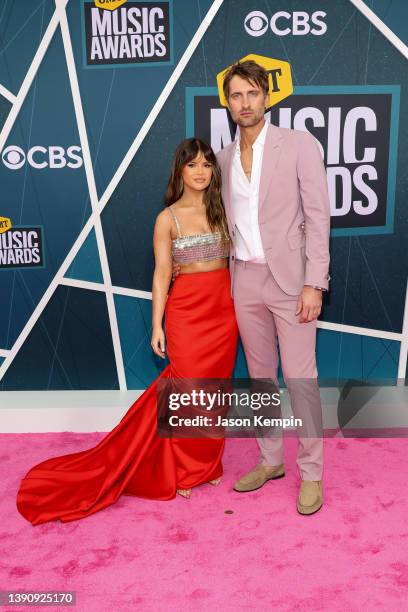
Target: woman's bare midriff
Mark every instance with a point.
(204, 266)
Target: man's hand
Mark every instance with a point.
(175, 271)
(309, 304)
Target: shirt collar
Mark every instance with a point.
(260, 139)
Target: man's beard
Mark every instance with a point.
(249, 121)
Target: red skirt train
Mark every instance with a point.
(201, 334)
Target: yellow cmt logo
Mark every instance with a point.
(110, 5)
(279, 75)
(5, 224)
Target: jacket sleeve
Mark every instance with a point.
(316, 209)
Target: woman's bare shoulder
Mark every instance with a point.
(164, 218)
(163, 224)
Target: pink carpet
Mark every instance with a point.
(153, 556)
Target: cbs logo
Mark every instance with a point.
(282, 23)
(38, 157)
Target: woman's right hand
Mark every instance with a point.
(175, 271)
(158, 342)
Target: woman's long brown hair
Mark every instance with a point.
(186, 151)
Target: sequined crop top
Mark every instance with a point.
(200, 247)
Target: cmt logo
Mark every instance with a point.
(5, 224)
(279, 78)
(110, 5)
(282, 23)
(38, 157)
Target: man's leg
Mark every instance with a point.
(297, 344)
(258, 334)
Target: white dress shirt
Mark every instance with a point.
(245, 202)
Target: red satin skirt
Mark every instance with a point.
(201, 334)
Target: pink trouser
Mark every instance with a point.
(266, 316)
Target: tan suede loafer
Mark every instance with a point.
(310, 498)
(256, 478)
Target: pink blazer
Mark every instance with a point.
(294, 212)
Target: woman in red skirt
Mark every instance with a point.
(201, 335)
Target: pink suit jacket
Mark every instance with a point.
(294, 212)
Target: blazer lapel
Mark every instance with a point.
(272, 149)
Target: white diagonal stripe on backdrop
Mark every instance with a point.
(360, 331)
(81, 284)
(7, 94)
(402, 364)
(83, 136)
(380, 25)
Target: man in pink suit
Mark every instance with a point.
(277, 206)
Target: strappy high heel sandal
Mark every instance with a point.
(215, 482)
(186, 493)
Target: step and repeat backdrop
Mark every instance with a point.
(94, 98)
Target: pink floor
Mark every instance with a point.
(143, 555)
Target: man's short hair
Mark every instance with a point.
(249, 71)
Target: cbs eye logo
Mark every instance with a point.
(256, 23)
(282, 23)
(13, 157)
